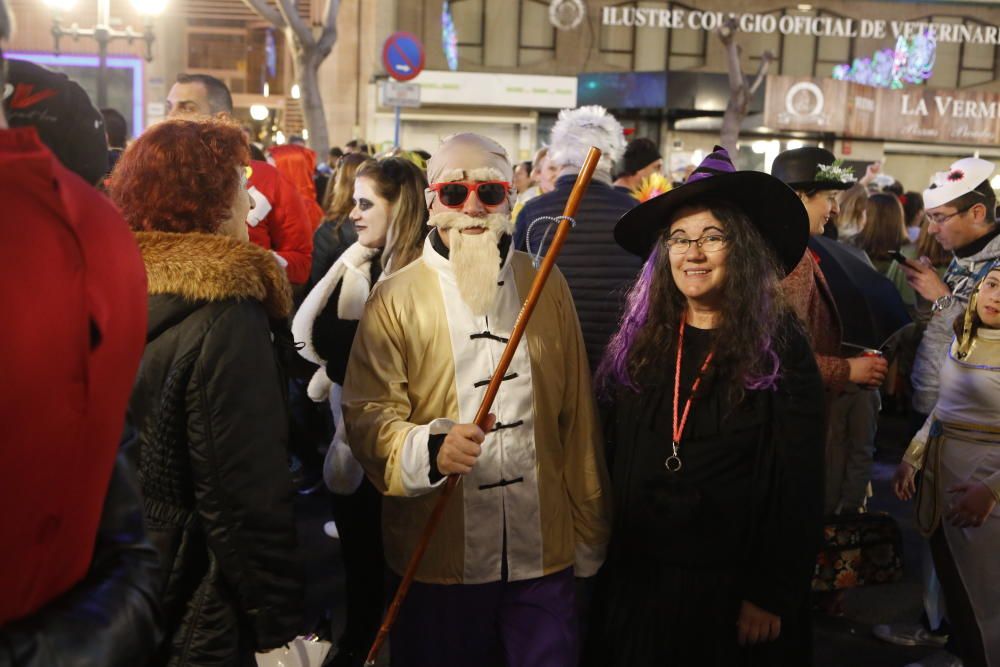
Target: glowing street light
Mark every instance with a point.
(259, 112)
(104, 34)
(150, 7)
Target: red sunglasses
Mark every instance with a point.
(456, 193)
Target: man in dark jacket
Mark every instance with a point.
(77, 576)
(597, 269)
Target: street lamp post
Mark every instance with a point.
(104, 34)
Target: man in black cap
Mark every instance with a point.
(62, 114)
(641, 159)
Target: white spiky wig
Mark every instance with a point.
(579, 129)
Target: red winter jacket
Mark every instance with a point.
(285, 228)
(74, 291)
(298, 165)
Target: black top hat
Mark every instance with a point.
(811, 168)
(773, 208)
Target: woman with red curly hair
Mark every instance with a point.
(208, 402)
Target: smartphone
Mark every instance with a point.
(902, 259)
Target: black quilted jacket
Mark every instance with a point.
(209, 406)
(598, 271)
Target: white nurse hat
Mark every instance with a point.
(963, 177)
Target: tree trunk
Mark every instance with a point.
(729, 137)
(307, 61)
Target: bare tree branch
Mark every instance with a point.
(329, 35)
(267, 12)
(765, 63)
(302, 31)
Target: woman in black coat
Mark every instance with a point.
(715, 435)
(209, 403)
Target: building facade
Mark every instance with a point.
(659, 65)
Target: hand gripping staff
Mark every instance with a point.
(582, 181)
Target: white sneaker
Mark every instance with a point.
(909, 634)
(939, 659)
(330, 528)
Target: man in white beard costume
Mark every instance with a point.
(496, 586)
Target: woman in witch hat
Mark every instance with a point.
(958, 450)
(715, 433)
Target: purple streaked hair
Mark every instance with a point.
(763, 369)
(613, 368)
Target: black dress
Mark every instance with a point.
(740, 521)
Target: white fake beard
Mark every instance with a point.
(475, 258)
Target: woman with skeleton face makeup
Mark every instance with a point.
(390, 218)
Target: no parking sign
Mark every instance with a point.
(403, 56)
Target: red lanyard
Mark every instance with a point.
(673, 461)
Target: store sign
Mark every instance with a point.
(494, 89)
(399, 94)
(853, 110)
(806, 105)
(819, 26)
(950, 116)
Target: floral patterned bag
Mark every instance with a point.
(859, 550)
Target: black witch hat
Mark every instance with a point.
(773, 208)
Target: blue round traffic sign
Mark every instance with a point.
(403, 56)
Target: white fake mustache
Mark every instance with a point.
(475, 258)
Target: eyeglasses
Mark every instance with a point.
(456, 193)
(709, 243)
(941, 219)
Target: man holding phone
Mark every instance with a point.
(961, 213)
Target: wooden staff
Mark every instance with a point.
(582, 181)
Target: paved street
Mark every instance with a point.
(840, 642)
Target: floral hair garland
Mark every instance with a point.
(834, 172)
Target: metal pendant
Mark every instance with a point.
(673, 462)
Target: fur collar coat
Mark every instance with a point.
(209, 408)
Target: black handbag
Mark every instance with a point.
(859, 550)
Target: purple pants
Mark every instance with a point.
(530, 623)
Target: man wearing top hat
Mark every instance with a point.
(961, 214)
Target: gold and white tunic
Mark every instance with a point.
(959, 442)
(419, 364)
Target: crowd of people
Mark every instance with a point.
(219, 324)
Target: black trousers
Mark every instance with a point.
(359, 522)
(962, 620)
